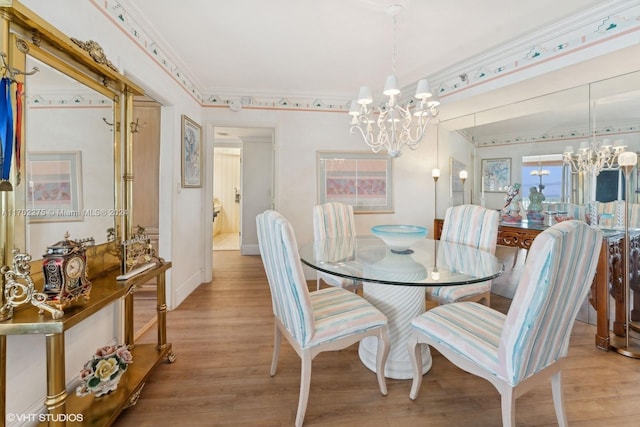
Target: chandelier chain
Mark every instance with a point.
(395, 40)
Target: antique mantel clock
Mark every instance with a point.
(65, 272)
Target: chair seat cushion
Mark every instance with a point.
(338, 313)
(445, 294)
(474, 329)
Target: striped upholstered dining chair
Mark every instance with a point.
(326, 320)
(528, 345)
(334, 220)
(474, 226)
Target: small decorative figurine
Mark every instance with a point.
(512, 206)
(534, 211)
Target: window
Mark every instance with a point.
(545, 171)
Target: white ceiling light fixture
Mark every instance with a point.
(395, 125)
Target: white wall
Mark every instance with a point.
(71, 129)
(300, 135)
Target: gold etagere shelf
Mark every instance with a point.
(106, 290)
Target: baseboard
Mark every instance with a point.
(250, 249)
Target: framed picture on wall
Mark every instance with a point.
(495, 175)
(54, 191)
(360, 179)
(191, 153)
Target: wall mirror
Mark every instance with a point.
(69, 159)
(545, 125)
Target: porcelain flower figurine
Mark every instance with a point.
(102, 372)
(512, 206)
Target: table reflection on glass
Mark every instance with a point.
(395, 283)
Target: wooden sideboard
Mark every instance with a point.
(609, 278)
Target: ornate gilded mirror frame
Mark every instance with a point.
(23, 32)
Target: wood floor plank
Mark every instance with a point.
(222, 335)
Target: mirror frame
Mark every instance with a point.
(23, 32)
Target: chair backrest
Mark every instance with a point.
(289, 291)
(471, 225)
(557, 275)
(333, 219)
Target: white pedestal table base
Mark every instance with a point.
(400, 304)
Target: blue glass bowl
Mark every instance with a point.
(399, 238)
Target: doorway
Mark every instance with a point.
(243, 182)
(226, 198)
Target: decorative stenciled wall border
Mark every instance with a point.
(114, 10)
(591, 28)
(68, 100)
(585, 30)
(610, 131)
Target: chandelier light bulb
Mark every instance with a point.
(391, 86)
(422, 91)
(364, 96)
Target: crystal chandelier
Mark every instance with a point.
(395, 126)
(593, 158)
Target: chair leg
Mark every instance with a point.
(508, 403)
(318, 284)
(305, 383)
(381, 359)
(277, 338)
(558, 401)
(415, 355)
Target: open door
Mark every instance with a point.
(257, 190)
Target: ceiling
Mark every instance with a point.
(332, 47)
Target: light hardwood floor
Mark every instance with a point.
(222, 335)
(226, 242)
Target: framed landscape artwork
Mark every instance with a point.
(54, 191)
(363, 180)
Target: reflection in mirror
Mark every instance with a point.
(615, 106)
(69, 160)
(536, 129)
(552, 118)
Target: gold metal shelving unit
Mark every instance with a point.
(106, 290)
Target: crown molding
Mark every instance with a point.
(603, 28)
(609, 26)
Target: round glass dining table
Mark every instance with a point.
(395, 281)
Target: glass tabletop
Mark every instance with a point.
(426, 263)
